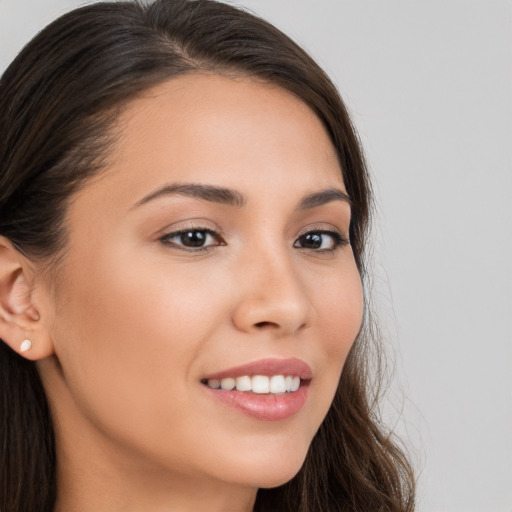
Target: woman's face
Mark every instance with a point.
(214, 246)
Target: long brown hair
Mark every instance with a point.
(58, 102)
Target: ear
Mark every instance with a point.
(20, 315)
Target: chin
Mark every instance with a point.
(274, 470)
(275, 479)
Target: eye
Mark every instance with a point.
(323, 240)
(193, 239)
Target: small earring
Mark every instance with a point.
(26, 345)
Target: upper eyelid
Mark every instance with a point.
(190, 225)
(324, 228)
(326, 231)
(193, 228)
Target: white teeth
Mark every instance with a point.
(277, 384)
(243, 383)
(214, 383)
(227, 384)
(260, 384)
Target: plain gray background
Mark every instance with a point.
(428, 83)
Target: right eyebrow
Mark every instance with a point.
(323, 197)
(206, 192)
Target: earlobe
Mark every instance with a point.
(21, 326)
(26, 345)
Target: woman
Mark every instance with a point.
(183, 212)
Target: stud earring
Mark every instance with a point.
(26, 345)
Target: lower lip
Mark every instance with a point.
(265, 407)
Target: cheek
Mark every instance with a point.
(339, 307)
(340, 312)
(128, 336)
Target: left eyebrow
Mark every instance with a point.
(320, 198)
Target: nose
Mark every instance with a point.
(272, 297)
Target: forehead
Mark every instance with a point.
(224, 131)
(231, 119)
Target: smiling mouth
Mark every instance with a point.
(257, 384)
(271, 389)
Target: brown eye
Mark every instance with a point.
(192, 239)
(320, 241)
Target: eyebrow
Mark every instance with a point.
(205, 192)
(323, 197)
(236, 199)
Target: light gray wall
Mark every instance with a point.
(429, 85)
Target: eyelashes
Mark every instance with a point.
(321, 240)
(193, 239)
(201, 239)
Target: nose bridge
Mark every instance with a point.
(272, 294)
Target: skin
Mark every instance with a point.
(134, 322)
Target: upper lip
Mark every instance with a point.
(271, 366)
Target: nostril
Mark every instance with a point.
(264, 324)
